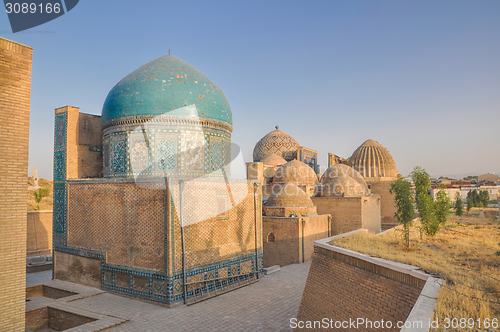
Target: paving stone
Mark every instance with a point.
(267, 305)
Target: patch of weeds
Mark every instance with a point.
(477, 227)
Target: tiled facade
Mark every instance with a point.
(15, 87)
(162, 146)
(126, 238)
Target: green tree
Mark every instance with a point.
(442, 208)
(470, 203)
(473, 194)
(459, 206)
(405, 210)
(39, 195)
(425, 204)
(484, 197)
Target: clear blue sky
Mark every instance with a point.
(420, 77)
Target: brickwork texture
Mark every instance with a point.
(15, 89)
(342, 287)
(39, 233)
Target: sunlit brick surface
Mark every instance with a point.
(15, 87)
(122, 219)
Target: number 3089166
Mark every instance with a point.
(27, 8)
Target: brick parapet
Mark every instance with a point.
(344, 284)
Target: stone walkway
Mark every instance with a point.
(267, 305)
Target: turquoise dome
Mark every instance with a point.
(164, 85)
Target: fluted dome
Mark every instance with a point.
(163, 85)
(276, 142)
(289, 195)
(371, 159)
(338, 169)
(343, 186)
(273, 160)
(295, 172)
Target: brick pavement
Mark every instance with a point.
(266, 305)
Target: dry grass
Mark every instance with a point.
(46, 203)
(466, 253)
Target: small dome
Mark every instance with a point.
(373, 160)
(289, 195)
(276, 142)
(273, 160)
(343, 186)
(295, 172)
(338, 169)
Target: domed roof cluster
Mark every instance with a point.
(295, 172)
(276, 142)
(166, 84)
(372, 160)
(343, 181)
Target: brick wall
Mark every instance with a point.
(287, 233)
(133, 217)
(345, 211)
(83, 144)
(39, 233)
(387, 207)
(343, 287)
(89, 145)
(350, 213)
(370, 207)
(286, 248)
(15, 89)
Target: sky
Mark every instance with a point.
(420, 77)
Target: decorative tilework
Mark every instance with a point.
(59, 165)
(139, 156)
(132, 216)
(276, 142)
(59, 215)
(216, 155)
(234, 238)
(105, 155)
(108, 277)
(118, 161)
(166, 154)
(159, 287)
(60, 131)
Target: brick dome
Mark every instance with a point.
(295, 172)
(289, 195)
(273, 160)
(338, 169)
(343, 186)
(373, 160)
(276, 142)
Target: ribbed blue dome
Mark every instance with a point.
(163, 85)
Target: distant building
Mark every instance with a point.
(488, 177)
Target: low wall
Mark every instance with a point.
(39, 233)
(345, 286)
